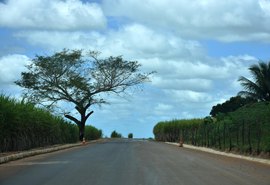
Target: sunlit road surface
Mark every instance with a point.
(133, 162)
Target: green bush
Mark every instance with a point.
(130, 135)
(92, 133)
(115, 134)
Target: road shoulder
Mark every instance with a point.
(209, 150)
(33, 152)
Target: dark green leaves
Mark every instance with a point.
(259, 88)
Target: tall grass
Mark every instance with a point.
(246, 130)
(23, 126)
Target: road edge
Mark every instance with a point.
(33, 152)
(209, 150)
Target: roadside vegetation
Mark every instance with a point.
(23, 126)
(92, 133)
(115, 134)
(241, 124)
(246, 130)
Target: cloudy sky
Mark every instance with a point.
(198, 48)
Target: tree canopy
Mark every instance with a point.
(259, 88)
(231, 105)
(78, 77)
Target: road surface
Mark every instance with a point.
(133, 162)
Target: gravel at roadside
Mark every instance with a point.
(209, 150)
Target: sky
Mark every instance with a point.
(198, 49)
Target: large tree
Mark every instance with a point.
(79, 78)
(259, 88)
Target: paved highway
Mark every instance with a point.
(133, 162)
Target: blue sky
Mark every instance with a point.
(198, 48)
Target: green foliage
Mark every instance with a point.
(246, 130)
(78, 77)
(23, 126)
(231, 105)
(259, 88)
(173, 130)
(92, 133)
(115, 134)
(130, 135)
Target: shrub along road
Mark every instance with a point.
(132, 162)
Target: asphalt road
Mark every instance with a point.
(133, 162)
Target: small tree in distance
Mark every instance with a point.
(130, 135)
(79, 79)
(115, 134)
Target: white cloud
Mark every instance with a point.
(187, 115)
(140, 41)
(182, 84)
(265, 6)
(51, 15)
(162, 109)
(238, 65)
(57, 40)
(11, 67)
(188, 68)
(223, 20)
(188, 96)
(185, 74)
(131, 41)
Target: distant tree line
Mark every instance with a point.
(115, 134)
(23, 126)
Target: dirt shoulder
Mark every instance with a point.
(209, 150)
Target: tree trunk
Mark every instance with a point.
(81, 131)
(80, 124)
